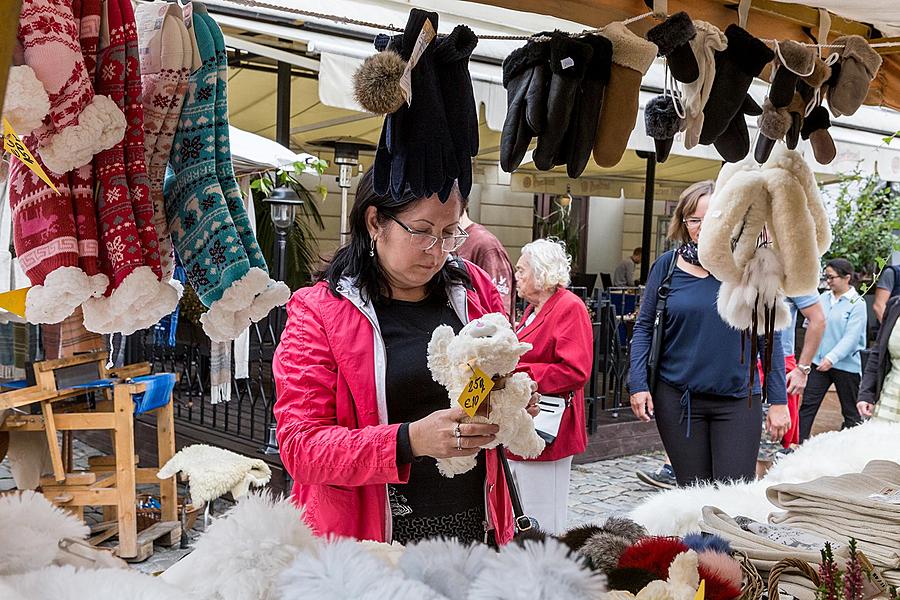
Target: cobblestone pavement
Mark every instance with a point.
(598, 490)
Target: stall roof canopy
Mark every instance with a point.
(325, 55)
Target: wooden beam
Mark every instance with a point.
(889, 49)
(62, 422)
(81, 359)
(804, 16)
(55, 455)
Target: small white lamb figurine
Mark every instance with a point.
(489, 344)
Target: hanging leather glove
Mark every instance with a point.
(526, 77)
(452, 60)
(673, 36)
(569, 59)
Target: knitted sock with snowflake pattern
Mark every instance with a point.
(276, 293)
(132, 283)
(166, 59)
(202, 230)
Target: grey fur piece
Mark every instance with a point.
(603, 550)
(626, 528)
(675, 31)
(774, 122)
(376, 84)
(660, 118)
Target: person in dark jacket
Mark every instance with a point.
(700, 400)
(879, 391)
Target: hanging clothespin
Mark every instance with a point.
(743, 13)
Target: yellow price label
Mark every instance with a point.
(701, 591)
(475, 392)
(15, 146)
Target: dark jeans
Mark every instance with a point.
(847, 386)
(724, 435)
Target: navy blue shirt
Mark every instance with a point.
(701, 353)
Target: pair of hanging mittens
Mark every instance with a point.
(526, 77)
(202, 228)
(136, 297)
(858, 66)
(276, 293)
(49, 240)
(168, 57)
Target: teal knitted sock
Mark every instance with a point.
(203, 231)
(224, 167)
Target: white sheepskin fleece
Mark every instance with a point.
(26, 102)
(212, 472)
(490, 344)
(243, 553)
(101, 125)
(446, 566)
(126, 308)
(37, 527)
(759, 288)
(69, 583)
(678, 511)
(536, 571)
(344, 569)
(63, 290)
(230, 315)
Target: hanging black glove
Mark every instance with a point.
(734, 143)
(736, 66)
(673, 36)
(451, 56)
(576, 147)
(526, 77)
(568, 61)
(383, 157)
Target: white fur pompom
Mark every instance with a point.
(446, 566)
(69, 583)
(345, 569)
(37, 527)
(536, 571)
(26, 102)
(242, 554)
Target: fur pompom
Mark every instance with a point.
(774, 122)
(723, 567)
(576, 537)
(445, 566)
(376, 84)
(626, 528)
(242, 554)
(535, 534)
(653, 554)
(629, 579)
(536, 571)
(37, 526)
(699, 542)
(719, 586)
(603, 550)
(661, 120)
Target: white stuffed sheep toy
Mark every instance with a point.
(487, 343)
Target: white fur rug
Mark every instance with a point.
(678, 512)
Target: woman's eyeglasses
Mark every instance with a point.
(693, 222)
(831, 277)
(426, 241)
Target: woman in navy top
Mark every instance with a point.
(701, 399)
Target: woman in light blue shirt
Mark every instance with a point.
(838, 359)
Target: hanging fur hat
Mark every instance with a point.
(376, 83)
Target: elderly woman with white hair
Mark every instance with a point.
(557, 325)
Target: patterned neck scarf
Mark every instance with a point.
(688, 252)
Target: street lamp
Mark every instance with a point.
(283, 204)
(346, 155)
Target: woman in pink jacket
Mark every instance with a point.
(360, 419)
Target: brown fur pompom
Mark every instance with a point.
(376, 84)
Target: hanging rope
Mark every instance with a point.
(391, 27)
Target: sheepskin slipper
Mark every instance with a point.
(446, 566)
(678, 512)
(661, 122)
(376, 83)
(794, 60)
(345, 569)
(673, 36)
(858, 66)
(37, 526)
(815, 129)
(536, 571)
(243, 553)
(69, 583)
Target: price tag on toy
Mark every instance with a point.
(476, 391)
(425, 36)
(15, 146)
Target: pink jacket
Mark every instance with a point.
(331, 411)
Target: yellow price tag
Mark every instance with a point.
(701, 591)
(475, 392)
(14, 301)
(14, 145)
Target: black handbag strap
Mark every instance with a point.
(662, 294)
(522, 522)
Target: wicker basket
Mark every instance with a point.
(752, 588)
(147, 517)
(811, 573)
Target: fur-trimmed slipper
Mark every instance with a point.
(673, 36)
(736, 67)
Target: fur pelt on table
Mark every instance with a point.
(213, 472)
(69, 583)
(678, 511)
